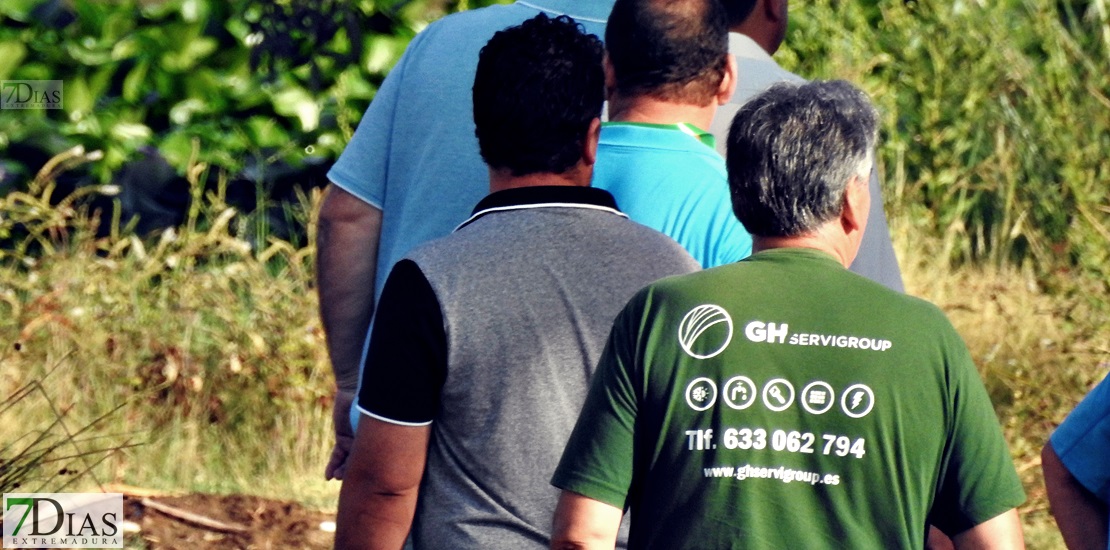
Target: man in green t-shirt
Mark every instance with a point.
(783, 401)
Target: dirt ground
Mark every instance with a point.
(202, 522)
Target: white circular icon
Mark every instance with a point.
(740, 392)
(778, 394)
(695, 336)
(701, 394)
(857, 400)
(818, 397)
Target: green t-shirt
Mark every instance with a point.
(784, 402)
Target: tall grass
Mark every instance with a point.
(1038, 352)
(212, 352)
(53, 454)
(996, 119)
(210, 347)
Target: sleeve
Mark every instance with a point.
(406, 364)
(978, 480)
(362, 168)
(1082, 441)
(876, 259)
(598, 459)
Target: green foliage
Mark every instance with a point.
(247, 78)
(996, 119)
(995, 114)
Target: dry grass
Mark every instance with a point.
(210, 348)
(1039, 353)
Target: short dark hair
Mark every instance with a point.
(537, 88)
(671, 50)
(738, 10)
(791, 152)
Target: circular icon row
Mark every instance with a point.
(778, 394)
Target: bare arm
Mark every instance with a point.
(346, 265)
(937, 540)
(1081, 516)
(582, 523)
(1002, 532)
(378, 498)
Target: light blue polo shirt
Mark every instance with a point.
(673, 181)
(1082, 441)
(414, 154)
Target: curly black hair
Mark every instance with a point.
(537, 88)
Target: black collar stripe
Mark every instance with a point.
(544, 197)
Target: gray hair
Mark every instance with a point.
(792, 151)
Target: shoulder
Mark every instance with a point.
(451, 43)
(650, 239)
(619, 235)
(1076, 435)
(912, 306)
(626, 246)
(471, 25)
(917, 315)
(435, 250)
(757, 76)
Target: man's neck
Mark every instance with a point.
(761, 33)
(654, 111)
(838, 246)
(500, 179)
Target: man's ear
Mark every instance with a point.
(857, 205)
(728, 83)
(774, 10)
(589, 145)
(610, 76)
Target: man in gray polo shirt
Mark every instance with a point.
(485, 340)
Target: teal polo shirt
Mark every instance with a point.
(668, 178)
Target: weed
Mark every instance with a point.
(52, 455)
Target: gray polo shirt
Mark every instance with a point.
(491, 335)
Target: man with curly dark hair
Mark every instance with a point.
(485, 340)
(388, 193)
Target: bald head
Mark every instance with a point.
(671, 50)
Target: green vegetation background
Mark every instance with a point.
(202, 344)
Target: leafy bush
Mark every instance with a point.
(264, 93)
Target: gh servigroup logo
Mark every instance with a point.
(705, 331)
(63, 520)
